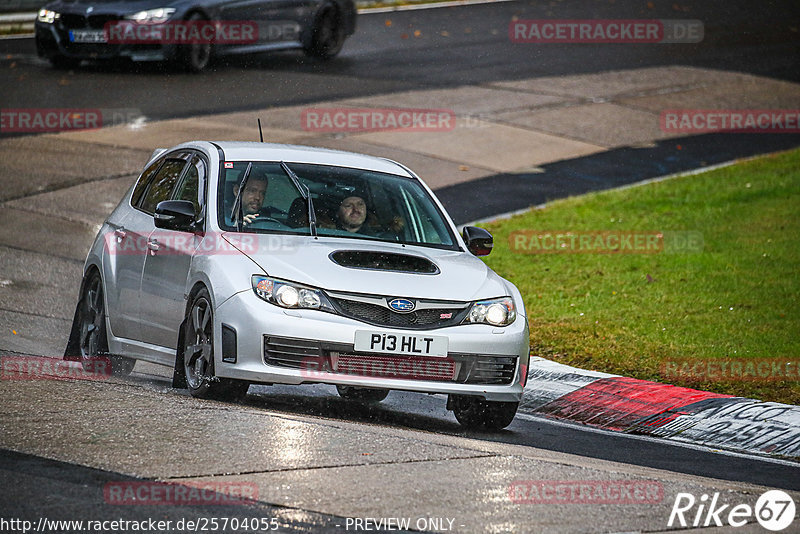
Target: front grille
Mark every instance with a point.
(317, 359)
(73, 22)
(98, 22)
(385, 366)
(382, 316)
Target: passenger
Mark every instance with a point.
(353, 216)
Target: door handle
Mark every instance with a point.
(120, 233)
(153, 245)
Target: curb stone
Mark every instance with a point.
(630, 405)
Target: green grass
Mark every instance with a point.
(629, 313)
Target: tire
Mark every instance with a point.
(327, 35)
(362, 394)
(476, 413)
(195, 57)
(60, 62)
(198, 355)
(92, 334)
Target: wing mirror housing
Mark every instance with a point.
(478, 240)
(175, 215)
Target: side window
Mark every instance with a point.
(144, 181)
(162, 185)
(190, 189)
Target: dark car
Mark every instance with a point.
(189, 32)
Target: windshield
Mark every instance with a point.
(351, 203)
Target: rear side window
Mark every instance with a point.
(162, 185)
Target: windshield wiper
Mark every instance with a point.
(237, 204)
(312, 215)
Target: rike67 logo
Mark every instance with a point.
(774, 510)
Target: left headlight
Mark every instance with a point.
(496, 312)
(47, 16)
(152, 16)
(289, 294)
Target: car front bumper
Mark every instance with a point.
(53, 40)
(276, 345)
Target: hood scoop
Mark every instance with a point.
(383, 261)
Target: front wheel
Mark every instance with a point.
(198, 355)
(92, 340)
(476, 413)
(327, 37)
(195, 57)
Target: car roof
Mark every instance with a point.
(248, 151)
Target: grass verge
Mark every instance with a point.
(723, 308)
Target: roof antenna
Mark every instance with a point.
(260, 133)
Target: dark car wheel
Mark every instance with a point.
(327, 36)
(92, 340)
(476, 413)
(362, 394)
(195, 57)
(198, 355)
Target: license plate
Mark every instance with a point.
(386, 343)
(87, 36)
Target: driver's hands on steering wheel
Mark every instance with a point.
(249, 218)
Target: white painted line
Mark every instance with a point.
(18, 36)
(661, 441)
(433, 5)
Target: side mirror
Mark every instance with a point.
(478, 240)
(175, 215)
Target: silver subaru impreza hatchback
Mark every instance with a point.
(240, 263)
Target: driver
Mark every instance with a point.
(253, 198)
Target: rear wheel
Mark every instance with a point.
(198, 355)
(362, 394)
(93, 341)
(477, 413)
(327, 36)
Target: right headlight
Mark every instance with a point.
(496, 312)
(152, 16)
(47, 16)
(290, 295)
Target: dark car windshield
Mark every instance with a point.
(352, 203)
